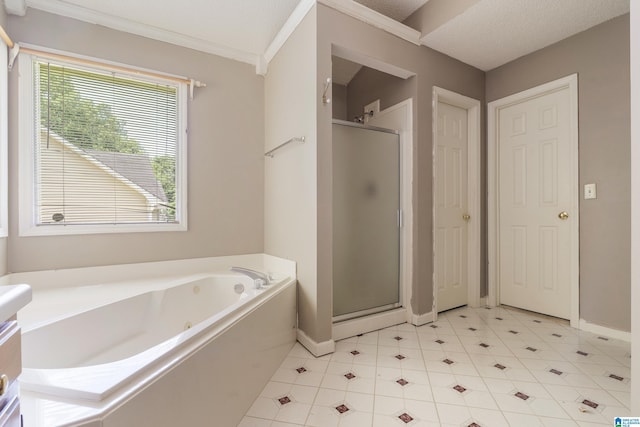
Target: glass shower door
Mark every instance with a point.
(366, 235)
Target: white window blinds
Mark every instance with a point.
(106, 147)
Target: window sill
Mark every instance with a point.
(79, 229)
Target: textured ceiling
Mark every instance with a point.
(394, 9)
(494, 32)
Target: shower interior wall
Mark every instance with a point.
(369, 85)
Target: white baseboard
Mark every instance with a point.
(422, 319)
(373, 322)
(484, 301)
(316, 348)
(604, 331)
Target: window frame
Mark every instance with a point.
(27, 188)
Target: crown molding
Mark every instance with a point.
(370, 16)
(261, 62)
(285, 32)
(122, 24)
(348, 7)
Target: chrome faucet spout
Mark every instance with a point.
(259, 279)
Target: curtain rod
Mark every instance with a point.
(16, 48)
(5, 37)
(112, 67)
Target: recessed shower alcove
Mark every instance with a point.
(371, 196)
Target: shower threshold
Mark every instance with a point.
(366, 312)
(369, 322)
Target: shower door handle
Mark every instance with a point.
(400, 221)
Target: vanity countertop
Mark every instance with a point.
(12, 299)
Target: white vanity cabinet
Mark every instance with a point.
(12, 299)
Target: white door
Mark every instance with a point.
(451, 207)
(536, 207)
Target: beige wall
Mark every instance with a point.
(369, 85)
(431, 68)
(291, 100)
(635, 199)
(339, 101)
(600, 56)
(225, 159)
(3, 241)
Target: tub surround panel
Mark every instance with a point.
(219, 383)
(225, 159)
(225, 378)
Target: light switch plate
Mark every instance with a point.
(589, 191)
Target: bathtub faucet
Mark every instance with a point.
(259, 279)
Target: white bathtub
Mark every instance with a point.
(193, 349)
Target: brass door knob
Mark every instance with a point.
(563, 215)
(466, 217)
(4, 384)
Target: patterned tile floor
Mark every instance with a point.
(473, 367)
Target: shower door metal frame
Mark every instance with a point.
(399, 303)
(363, 126)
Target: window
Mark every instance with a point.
(103, 151)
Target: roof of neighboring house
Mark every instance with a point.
(134, 167)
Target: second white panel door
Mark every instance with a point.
(451, 207)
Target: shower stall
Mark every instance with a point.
(366, 220)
